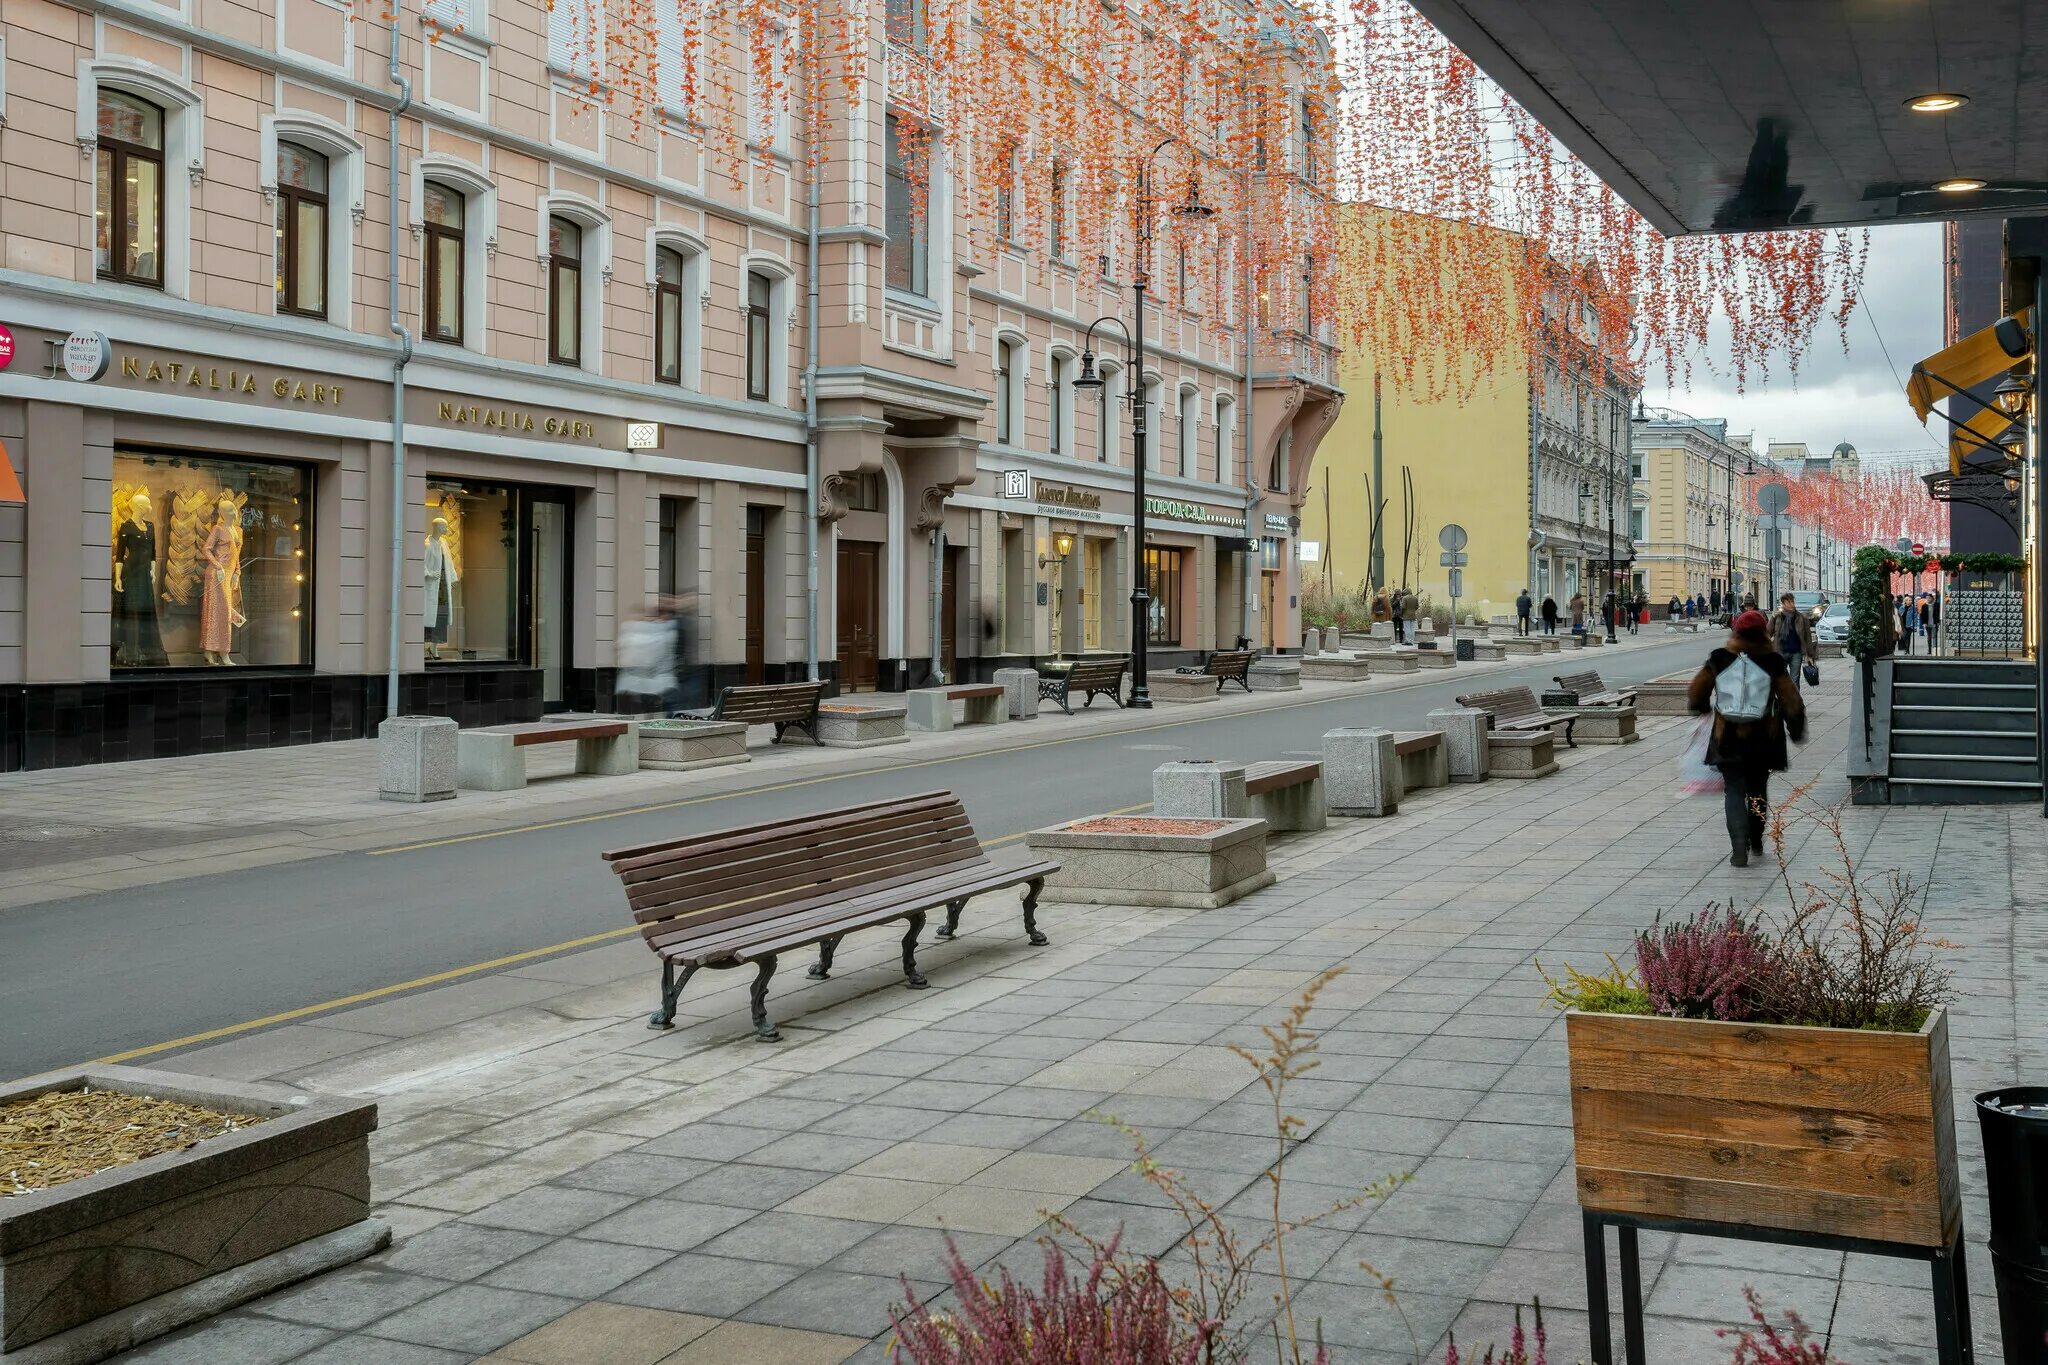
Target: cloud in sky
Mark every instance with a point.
(1836, 397)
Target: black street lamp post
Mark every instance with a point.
(1141, 599)
(1613, 599)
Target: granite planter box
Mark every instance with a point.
(1336, 668)
(1839, 1132)
(1664, 697)
(1183, 687)
(680, 745)
(1145, 860)
(1275, 673)
(841, 726)
(1601, 724)
(94, 1266)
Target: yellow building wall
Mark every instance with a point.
(1468, 460)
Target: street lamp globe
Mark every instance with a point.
(2011, 395)
(1088, 379)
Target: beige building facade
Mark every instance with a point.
(604, 405)
(1696, 513)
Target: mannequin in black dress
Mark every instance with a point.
(138, 643)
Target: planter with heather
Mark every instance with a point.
(680, 745)
(845, 725)
(133, 1202)
(1788, 1072)
(1146, 860)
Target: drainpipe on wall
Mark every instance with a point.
(811, 389)
(939, 678)
(398, 364)
(1253, 529)
(1537, 539)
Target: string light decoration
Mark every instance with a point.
(1494, 244)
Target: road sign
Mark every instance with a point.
(1773, 497)
(1457, 584)
(1918, 548)
(1454, 558)
(1771, 545)
(1775, 521)
(1453, 538)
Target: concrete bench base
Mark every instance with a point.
(1520, 754)
(1275, 673)
(1435, 658)
(1522, 644)
(674, 746)
(1390, 662)
(416, 758)
(1665, 697)
(1673, 627)
(1183, 687)
(1134, 866)
(1491, 651)
(1021, 685)
(1592, 639)
(1361, 773)
(1290, 809)
(1336, 668)
(489, 761)
(846, 726)
(1602, 724)
(1552, 644)
(930, 709)
(1464, 746)
(1426, 767)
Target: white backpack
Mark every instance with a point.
(1743, 690)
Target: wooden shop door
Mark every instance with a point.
(860, 600)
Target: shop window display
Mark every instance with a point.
(471, 607)
(209, 562)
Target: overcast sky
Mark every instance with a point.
(1849, 397)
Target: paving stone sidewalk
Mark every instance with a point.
(111, 827)
(568, 1187)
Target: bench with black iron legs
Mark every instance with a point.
(783, 705)
(492, 758)
(1516, 708)
(1231, 665)
(1091, 677)
(1590, 691)
(739, 897)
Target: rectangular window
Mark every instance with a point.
(211, 562)
(1056, 214)
(909, 25)
(576, 39)
(1058, 395)
(1108, 404)
(668, 316)
(128, 214)
(565, 292)
(760, 337)
(907, 258)
(301, 231)
(1162, 585)
(864, 492)
(1635, 523)
(472, 575)
(453, 16)
(1006, 194)
(442, 212)
(1190, 431)
(1006, 404)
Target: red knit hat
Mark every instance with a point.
(1750, 622)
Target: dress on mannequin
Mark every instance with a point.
(219, 605)
(138, 641)
(441, 578)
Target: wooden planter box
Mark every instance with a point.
(1835, 1132)
(94, 1266)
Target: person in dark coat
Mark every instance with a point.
(1524, 608)
(1550, 616)
(1748, 751)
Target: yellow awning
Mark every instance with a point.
(1984, 427)
(1968, 363)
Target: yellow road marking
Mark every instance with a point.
(437, 979)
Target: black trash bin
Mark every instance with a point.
(1466, 654)
(2015, 1128)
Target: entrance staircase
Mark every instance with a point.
(1964, 732)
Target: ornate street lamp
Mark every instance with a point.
(1191, 206)
(2011, 395)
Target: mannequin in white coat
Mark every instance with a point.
(441, 580)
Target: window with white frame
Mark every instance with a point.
(565, 291)
(675, 315)
(909, 25)
(1056, 213)
(760, 336)
(301, 226)
(674, 83)
(1190, 430)
(1009, 391)
(1226, 436)
(907, 206)
(128, 226)
(576, 39)
(1006, 193)
(1060, 402)
(769, 91)
(444, 232)
(1151, 396)
(456, 16)
(1109, 407)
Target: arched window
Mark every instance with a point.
(1059, 402)
(1226, 436)
(1009, 391)
(1190, 431)
(1152, 415)
(760, 336)
(1109, 406)
(443, 212)
(668, 316)
(128, 227)
(565, 291)
(301, 231)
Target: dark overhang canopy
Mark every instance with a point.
(1742, 115)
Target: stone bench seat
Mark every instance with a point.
(1520, 754)
(1423, 758)
(492, 758)
(931, 708)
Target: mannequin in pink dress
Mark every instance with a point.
(218, 608)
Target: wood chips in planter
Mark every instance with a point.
(70, 1134)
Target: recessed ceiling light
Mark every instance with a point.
(1962, 184)
(1936, 102)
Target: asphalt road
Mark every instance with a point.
(95, 975)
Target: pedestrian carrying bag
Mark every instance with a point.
(1742, 691)
(1696, 776)
(1813, 675)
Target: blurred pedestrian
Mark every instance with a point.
(1755, 707)
(1550, 616)
(1523, 609)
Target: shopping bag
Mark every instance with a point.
(1813, 675)
(1695, 776)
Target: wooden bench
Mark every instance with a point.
(747, 895)
(931, 708)
(1091, 677)
(1591, 691)
(492, 758)
(1286, 795)
(1424, 760)
(783, 705)
(1516, 708)
(1231, 665)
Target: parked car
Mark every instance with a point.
(1810, 602)
(1832, 626)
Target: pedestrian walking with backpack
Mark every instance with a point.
(1747, 688)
